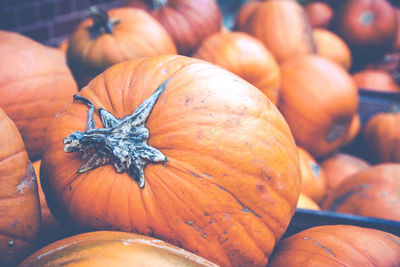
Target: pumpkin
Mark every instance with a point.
(187, 21)
(355, 127)
(35, 82)
(283, 27)
(319, 14)
(313, 183)
(340, 166)
(306, 202)
(377, 80)
(244, 12)
(63, 46)
(106, 38)
(338, 245)
(20, 210)
(318, 99)
(112, 248)
(218, 176)
(396, 45)
(373, 192)
(245, 56)
(367, 26)
(331, 46)
(382, 135)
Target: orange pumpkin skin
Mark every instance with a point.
(244, 12)
(138, 34)
(396, 45)
(283, 28)
(33, 88)
(112, 248)
(338, 245)
(382, 135)
(245, 56)
(340, 166)
(318, 99)
(313, 183)
(218, 184)
(379, 185)
(188, 22)
(333, 47)
(355, 127)
(377, 80)
(319, 14)
(20, 210)
(306, 202)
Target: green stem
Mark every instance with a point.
(157, 4)
(101, 20)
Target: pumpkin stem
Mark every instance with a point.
(101, 21)
(157, 4)
(367, 18)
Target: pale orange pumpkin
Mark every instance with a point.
(306, 202)
(377, 80)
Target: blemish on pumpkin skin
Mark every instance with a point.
(321, 246)
(394, 240)
(195, 227)
(27, 182)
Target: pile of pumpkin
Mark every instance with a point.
(191, 144)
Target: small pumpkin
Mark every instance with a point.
(313, 183)
(373, 192)
(218, 176)
(340, 166)
(188, 22)
(338, 245)
(112, 248)
(333, 47)
(245, 56)
(283, 27)
(20, 210)
(318, 100)
(376, 80)
(306, 202)
(319, 14)
(382, 135)
(35, 83)
(106, 38)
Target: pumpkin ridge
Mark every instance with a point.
(7, 157)
(10, 82)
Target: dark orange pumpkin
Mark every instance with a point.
(107, 38)
(354, 130)
(396, 45)
(112, 248)
(231, 179)
(377, 80)
(283, 27)
(331, 46)
(382, 136)
(340, 166)
(318, 99)
(373, 192)
(245, 56)
(35, 82)
(319, 14)
(338, 245)
(244, 12)
(187, 21)
(313, 183)
(20, 210)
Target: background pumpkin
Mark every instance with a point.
(112, 248)
(223, 193)
(187, 21)
(338, 245)
(244, 12)
(318, 100)
(319, 14)
(114, 36)
(19, 210)
(245, 56)
(306, 202)
(35, 82)
(377, 80)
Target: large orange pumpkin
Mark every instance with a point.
(338, 245)
(382, 136)
(373, 192)
(283, 27)
(112, 248)
(107, 38)
(245, 56)
(219, 175)
(319, 100)
(20, 210)
(187, 21)
(35, 82)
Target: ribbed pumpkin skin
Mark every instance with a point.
(137, 34)
(230, 185)
(112, 248)
(373, 192)
(338, 245)
(245, 56)
(19, 210)
(35, 82)
(283, 28)
(382, 135)
(187, 21)
(245, 12)
(318, 99)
